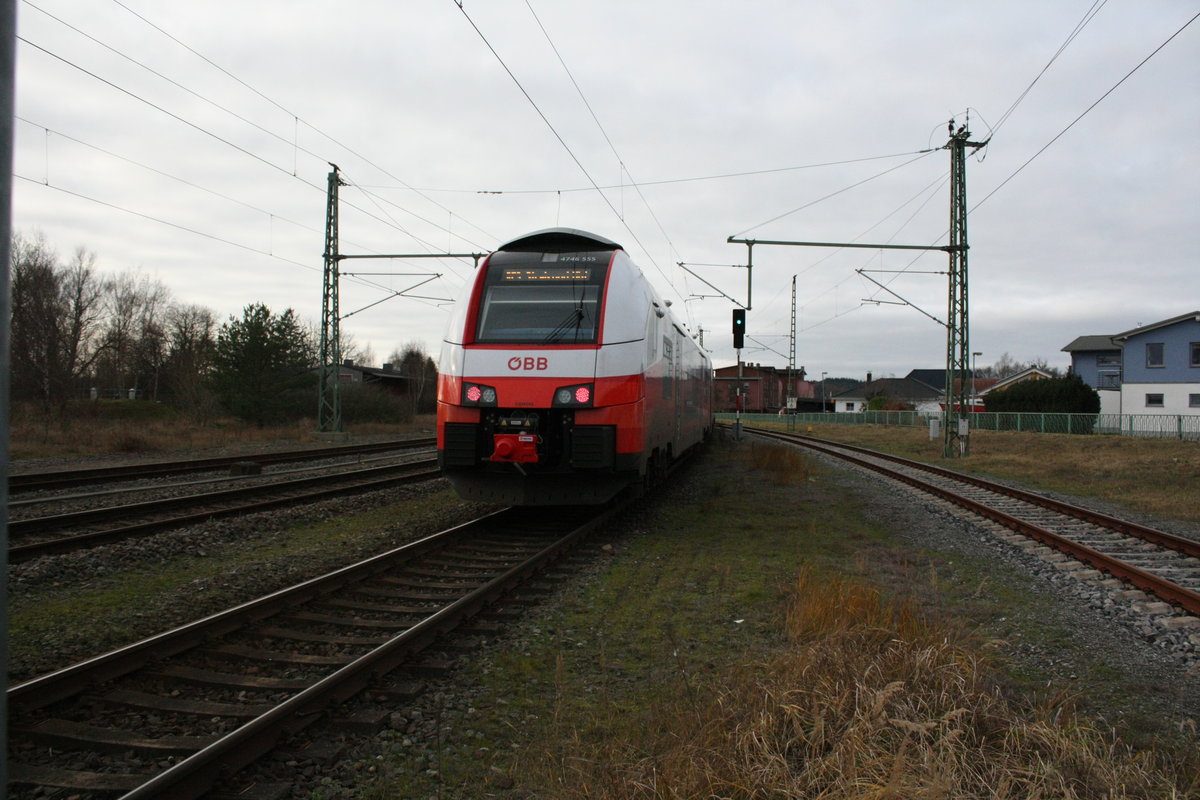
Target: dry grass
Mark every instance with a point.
(866, 702)
(1157, 476)
(783, 464)
(156, 430)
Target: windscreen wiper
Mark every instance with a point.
(574, 319)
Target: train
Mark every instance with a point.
(564, 378)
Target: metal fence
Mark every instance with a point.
(1163, 426)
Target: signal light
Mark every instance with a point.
(577, 396)
(476, 394)
(739, 328)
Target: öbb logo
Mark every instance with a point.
(528, 364)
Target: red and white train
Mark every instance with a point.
(564, 378)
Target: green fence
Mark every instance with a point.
(1165, 426)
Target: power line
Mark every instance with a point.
(667, 181)
(170, 114)
(1084, 113)
(921, 154)
(611, 146)
(163, 173)
(299, 120)
(564, 144)
(1087, 17)
(162, 221)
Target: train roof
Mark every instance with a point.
(562, 240)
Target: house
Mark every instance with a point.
(925, 390)
(1151, 369)
(385, 378)
(765, 389)
(1097, 361)
(1161, 367)
(897, 391)
(987, 386)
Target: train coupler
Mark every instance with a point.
(514, 448)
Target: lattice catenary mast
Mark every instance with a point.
(958, 346)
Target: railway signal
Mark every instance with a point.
(739, 328)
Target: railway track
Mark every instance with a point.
(65, 532)
(60, 479)
(1154, 561)
(177, 714)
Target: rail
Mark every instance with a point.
(1157, 426)
(421, 590)
(1115, 564)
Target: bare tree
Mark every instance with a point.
(191, 333)
(414, 364)
(134, 341)
(55, 321)
(1006, 366)
(35, 363)
(82, 294)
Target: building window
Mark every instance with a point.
(1154, 401)
(1154, 354)
(849, 406)
(1194, 401)
(1195, 359)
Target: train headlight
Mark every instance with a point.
(577, 396)
(476, 394)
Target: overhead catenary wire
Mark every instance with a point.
(1080, 116)
(1088, 16)
(387, 220)
(669, 181)
(558, 136)
(1084, 113)
(611, 146)
(298, 119)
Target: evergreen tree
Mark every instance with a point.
(263, 366)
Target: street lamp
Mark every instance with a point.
(973, 380)
(823, 374)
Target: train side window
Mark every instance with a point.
(668, 367)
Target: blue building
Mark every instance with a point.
(1161, 367)
(1151, 369)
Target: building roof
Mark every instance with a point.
(1191, 315)
(933, 378)
(895, 388)
(1089, 344)
(1030, 373)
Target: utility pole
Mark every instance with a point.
(955, 438)
(958, 347)
(790, 402)
(329, 402)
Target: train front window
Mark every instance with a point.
(541, 303)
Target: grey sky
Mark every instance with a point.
(1096, 235)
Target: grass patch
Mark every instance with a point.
(866, 700)
(763, 638)
(104, 428)
(1156, 476)
(143, 600)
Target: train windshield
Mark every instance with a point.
(542, 298)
